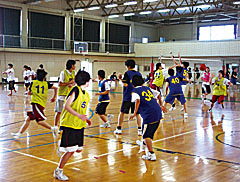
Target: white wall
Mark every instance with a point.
(177, 32)
(189, 48)
(141, 31)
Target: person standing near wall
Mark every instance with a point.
(234, 78)
(11, 78)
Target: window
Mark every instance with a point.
(219, 32)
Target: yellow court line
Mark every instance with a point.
(90, 158)
(32, 156)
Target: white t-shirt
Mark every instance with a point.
(135, 96)
(225, 81)
(10, 73)
(32, 74)
(27, 73)
(61, 79)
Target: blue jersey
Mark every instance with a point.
(182, 73)
(102, 88)
(127, 91)
(175, 85)
(149, 109)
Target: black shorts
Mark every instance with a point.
(206, 89)
(72, 138)
(126, 105)
(27, 85)
(11, 85)
(101, 108)
(150, 130)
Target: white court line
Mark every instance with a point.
(89, 158)
(32, 156)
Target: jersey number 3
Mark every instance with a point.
(148, 95)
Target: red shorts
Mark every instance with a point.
(220, 98)
(37, 113)
(154, 87)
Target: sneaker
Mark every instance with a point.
(118, 132)
(149, 156)
(105, 125)
(185, 115)
(172, 108)
(210, 110)
(58, 174)
(182, 109)
(139, 132)
(16, 135)
(59, 153)
(110, 117)
(54, 130)
(142, 146)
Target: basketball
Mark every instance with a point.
(203, 67)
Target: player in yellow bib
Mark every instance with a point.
(38, 89)
(73, 121)
(158, 78)
(66, 82)
(219, 89)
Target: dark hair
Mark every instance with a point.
(29, 68)
(41, 74)
(137, 81)
(221, 71)
(101, 73)
(158, 65)
(171, 72)
(130, 63)
(82, 77)
(114, 73)
(41, 66)
(70, 63)
(186, 64)
(10, 65)
(25, 66)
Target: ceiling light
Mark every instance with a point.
(225, 19)
(93, 8)
(145, 12)
(78, 10)
(182, 8)
(113, 16)
(206, 20)
(35, 2)
(111, 6)
(204, 6)
(236, 3)
(130, 3)
(164, 10)
(129, 14)
(210, 15)
(174, 18)
(149, 1)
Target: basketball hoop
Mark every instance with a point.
(81, 48)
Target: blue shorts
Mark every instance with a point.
(170, 99)
(234, 81)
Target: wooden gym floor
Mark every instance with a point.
(204, 147)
